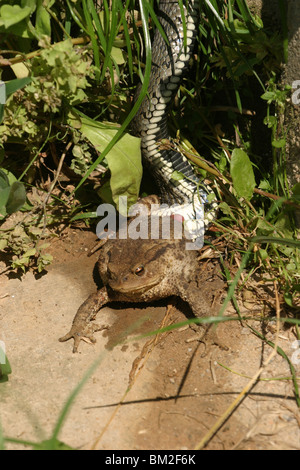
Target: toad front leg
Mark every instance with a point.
(83, 325)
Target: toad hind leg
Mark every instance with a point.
(83, 326)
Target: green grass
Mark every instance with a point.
(233, 76)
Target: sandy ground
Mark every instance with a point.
(181, 386)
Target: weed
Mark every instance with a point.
(70, 73)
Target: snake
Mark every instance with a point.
(191, 196)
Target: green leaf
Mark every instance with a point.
(288, 298)
(225, 208)
(17, 84)
(10, 15)
(278, 144)
(104, 192)
(124, 160)
(9, 176)
(4, 193)
(270, 121)
(4, 181)
(30, 4)
(177, 176)
(17, 197)
(43, 20)
(29, 253)
(242, 174)
(268, 96)
(117, 55)
(263, 254)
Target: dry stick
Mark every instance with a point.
(146, 356)
(249, 385)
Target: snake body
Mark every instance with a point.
(169, 62)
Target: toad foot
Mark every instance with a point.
(83, 327)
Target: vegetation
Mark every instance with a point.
(71, 69)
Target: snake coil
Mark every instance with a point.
(169, 63)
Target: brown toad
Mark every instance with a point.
(141, 270)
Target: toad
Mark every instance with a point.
(143, 270)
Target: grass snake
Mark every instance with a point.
(169, 63)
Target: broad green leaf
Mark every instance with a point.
(17, 197)
(20, 29)
(9, 177)
(13, 14)
(124, 161)
(29, 3)
(4, 181)
(268, 96)
(43, 20)
(242, 174)
(4, 195)
(104, 192)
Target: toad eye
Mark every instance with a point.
(139, 271)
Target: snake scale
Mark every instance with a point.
(169, 63)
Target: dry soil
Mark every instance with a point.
(180, 386)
